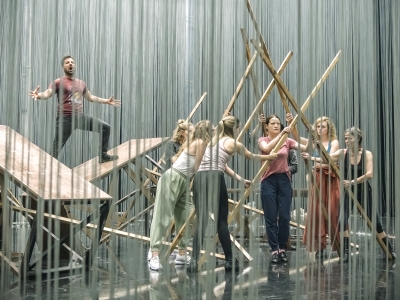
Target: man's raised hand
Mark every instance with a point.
(113, 102)
(34, 94)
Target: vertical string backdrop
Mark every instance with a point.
(159, 57)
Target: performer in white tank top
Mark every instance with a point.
(173, 193)
(209, 181)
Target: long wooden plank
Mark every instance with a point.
(253, 77)
(127, 152)
(266, 164)
(12, 265)
(37, 172)
(196, 106)
(126, 223)
(241, 83)
(322, 150)
(147, 239)
(264, 97)
(283, 88)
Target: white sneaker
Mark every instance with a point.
(154, 263)
(182, 259)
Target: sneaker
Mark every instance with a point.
(106, 157)
(154, 263)
(182, 259)
(275, 258)
(283, 256)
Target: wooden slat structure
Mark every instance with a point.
(128, 153)
(47, 182)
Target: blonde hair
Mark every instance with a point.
(202, 130)
(181, 126)
(225, 128)
(331, 127)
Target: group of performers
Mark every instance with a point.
(201, 152)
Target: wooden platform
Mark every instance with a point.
(39, 174)
(45, 180)
(127, 152)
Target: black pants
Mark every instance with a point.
(66, 125)
(210, 194)
(366, 204)
(276, 199)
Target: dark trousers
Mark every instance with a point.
(210, 194)
(276, 198)
(366, 204)
(66, 125)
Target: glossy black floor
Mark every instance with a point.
(121, 272)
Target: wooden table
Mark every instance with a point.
(46, 181)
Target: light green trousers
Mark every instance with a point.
(172, 201)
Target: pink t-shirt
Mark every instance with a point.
(279, 165)
(70, 93)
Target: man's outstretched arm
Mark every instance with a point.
(41, 96)
(109, 101)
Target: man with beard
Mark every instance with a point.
(70, 116)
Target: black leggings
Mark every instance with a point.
(210, 194)
(365, 202)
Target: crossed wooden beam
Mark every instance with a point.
(277, 80)
(263, 52)
(229, 108)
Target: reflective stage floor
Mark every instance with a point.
(121, 272)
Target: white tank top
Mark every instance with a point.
(215, 158)
(185, 164)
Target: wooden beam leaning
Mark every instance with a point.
(281, 141)
(249, 190)
(265, 49)
(241, 83)
(196, 106)
(253, 77)
(322, 150)
(229, 108)
(264, 97)
(285, 104)
(304, 119)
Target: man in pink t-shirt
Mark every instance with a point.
(70, 93)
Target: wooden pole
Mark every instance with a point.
(196, 107)
(264, 97)
(322, 150)
(266, 164)
(241, 83)
(253, 77)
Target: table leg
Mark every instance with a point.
(24, 268)
(89, 258)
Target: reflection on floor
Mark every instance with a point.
(121, 272)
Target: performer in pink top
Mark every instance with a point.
(276, 188)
